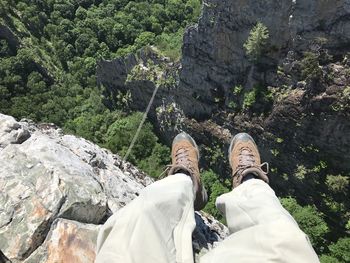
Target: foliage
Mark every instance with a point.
(67, 38)
(147, 153)
(328, 259)
(215, 155)
(170, 44)
(310, 67)
(341, 249)
(154, 165)
(259, 97)
(232, 105)
(249, 99)
(275, 152)
(256, 42)
(300, 172)
(339, 252)
(279, 140)
(337, 183)
(310, 221)
(321, 165)
(214, 188)
(148, 71)
(346, 92)
(50, 76)
(121, 132)
(237, 90)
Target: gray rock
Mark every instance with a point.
(207, 229)
(138, 74)
(214, 60)
(4, 259)
(313, 20)
(55, 187)
(42, 180)
(67, 241)
(11, 131)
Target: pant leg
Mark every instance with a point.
(155, 227)
(261, 229)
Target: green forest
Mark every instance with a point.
(48, 74)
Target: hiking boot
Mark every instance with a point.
(245, 160)
(185, 156)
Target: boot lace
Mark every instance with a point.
(246, 160)
(182, 159)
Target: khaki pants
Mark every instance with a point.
(157, 227)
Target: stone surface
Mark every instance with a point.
(138, 74)
(67, 241)
(42, 180)
(57, 189)
(214, 60)
(12, 132)
(206, 230)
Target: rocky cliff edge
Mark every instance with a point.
(57, 190)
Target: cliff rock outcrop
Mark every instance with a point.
(214, 62)
(214, 59)
(56, 191)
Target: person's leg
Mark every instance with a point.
(261, 229)
(157, 226)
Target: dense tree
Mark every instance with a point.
(339, 252)
(310, 221)
(214, 188)
(50, 76)
(147, 153)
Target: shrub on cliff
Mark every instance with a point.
(256, 41)
(310, 67)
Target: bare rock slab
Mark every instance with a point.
(67, 241)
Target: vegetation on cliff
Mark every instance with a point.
(254, 46)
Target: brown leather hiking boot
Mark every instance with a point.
(245, 159)
(185, 156)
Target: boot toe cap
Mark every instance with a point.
(240, 137)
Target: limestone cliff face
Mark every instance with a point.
(301, 125)
(56, 191)
(302, 115)
(214, 60)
